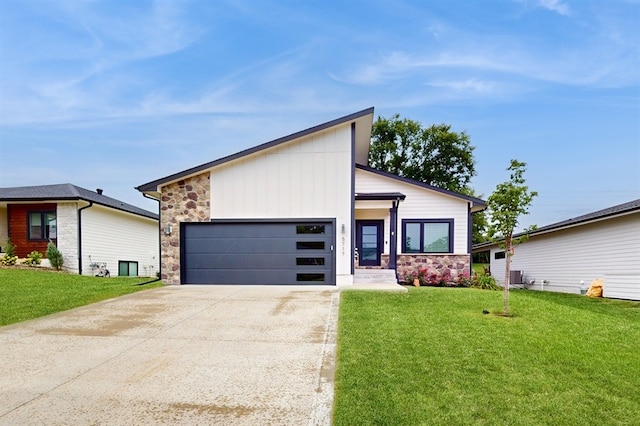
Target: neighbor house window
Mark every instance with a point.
(42, 225)
(499, 255)
(127, 268)
(427, 236)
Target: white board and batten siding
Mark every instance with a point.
(608, 249)
(307, 177)
(111, 236)
(420, 203)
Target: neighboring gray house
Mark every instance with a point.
(88, 227)
(568, 255)
(297, 209)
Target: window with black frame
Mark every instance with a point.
(427, 236)
(42, 225)
(127, 268)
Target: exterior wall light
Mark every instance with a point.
(168, 230)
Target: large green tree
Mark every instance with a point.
(509, 201)
(435, 155)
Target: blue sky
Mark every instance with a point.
(113, 94)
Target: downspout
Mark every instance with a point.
(80, 236)
(470, 238)
(353, 197)
(393, 237)
(159, 235)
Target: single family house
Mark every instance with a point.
(93, 232)
(567, 256)
(306, 209)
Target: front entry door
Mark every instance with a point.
(369, 241)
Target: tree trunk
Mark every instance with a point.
(507, 270)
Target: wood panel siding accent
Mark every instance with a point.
(19, 228)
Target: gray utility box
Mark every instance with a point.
(515, 277)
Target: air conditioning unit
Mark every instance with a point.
(515, 277)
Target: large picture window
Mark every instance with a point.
(42, 225)
(427, 236)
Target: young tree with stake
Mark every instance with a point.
(506, 204)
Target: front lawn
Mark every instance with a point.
(431, 356)
(32, 293)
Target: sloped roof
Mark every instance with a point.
(614, 211)
(597, 215)
(361, 147)
(477, 202)
(67, 191)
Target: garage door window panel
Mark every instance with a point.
(310, 277)
(310, 229)
(310, 245)
(310, 261)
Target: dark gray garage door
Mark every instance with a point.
(255, 252)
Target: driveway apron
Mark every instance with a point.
(232, 355)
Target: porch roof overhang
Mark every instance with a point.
(380, 196)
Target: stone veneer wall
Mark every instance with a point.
(435, 263)
(187, 200)
(384, 263)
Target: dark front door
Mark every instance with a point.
(369, 241)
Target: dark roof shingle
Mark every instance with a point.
(629, 207)
(67, 191)
(610, 211)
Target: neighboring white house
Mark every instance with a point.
(567, 256)
(91, 230)
(306, 209)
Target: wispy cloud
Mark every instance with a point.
(556, 6)
(474, 85)
(591, 61)
(82, 73)
(109, 72)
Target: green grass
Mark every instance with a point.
(478, 268)
(32, 293)
(431, 357)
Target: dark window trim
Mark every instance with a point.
(499, 255)
(42, 214)
(379, 223)
(422, 222)
(129, 262)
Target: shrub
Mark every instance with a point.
(34, 258)
(464, 280)
(437, 279)
(54, 256)
(7, 260)
(485, 282)
(9, 248)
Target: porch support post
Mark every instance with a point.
(393, 234)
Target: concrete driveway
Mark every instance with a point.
(243, 355)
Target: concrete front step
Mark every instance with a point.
(376, 279)
(374, 276)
